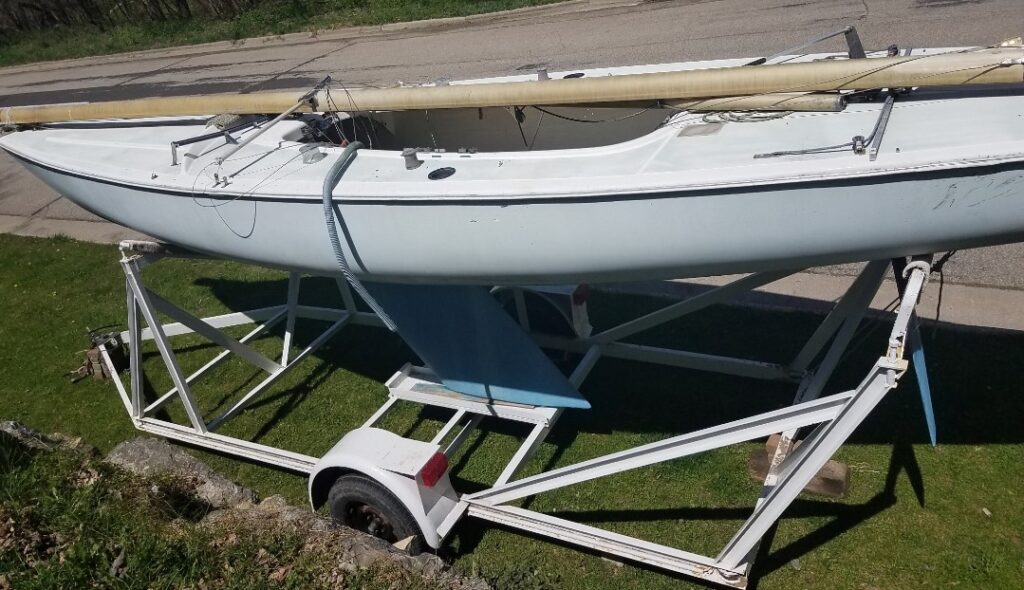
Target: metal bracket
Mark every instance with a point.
(883, 122)
(225, 133)
(412, 160)
(309, 97)
(855, 48)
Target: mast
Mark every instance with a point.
(1001, 65)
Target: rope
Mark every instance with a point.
(744, 116)
(348, 155)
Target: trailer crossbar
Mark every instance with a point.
(833, 417)
(608, 542)
(738, 431)
(836, 417)
(143, 305)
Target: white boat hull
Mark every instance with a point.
(587, 239)
(545, 199)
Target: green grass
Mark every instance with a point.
(271, 17)
(70, 521)
(880, 536)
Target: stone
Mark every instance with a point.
(235, 513)
(25, 436)
(150, 456)
(831, 480)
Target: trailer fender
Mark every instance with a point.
(396, 463)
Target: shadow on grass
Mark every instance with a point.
(844, 517)
(974, 404)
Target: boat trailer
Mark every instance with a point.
(414, 473)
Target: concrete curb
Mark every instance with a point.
(99, 232)
(963, 306)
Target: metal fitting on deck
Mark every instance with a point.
(412, 160)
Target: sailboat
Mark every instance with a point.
(615, 174)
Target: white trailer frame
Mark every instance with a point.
(835, 416)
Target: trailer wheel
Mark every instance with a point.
(361, 503)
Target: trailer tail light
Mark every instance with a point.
(434, 469)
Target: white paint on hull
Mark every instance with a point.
(686, 235)
(688, 198)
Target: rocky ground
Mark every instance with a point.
(151, 515)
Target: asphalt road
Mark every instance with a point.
(574, 35)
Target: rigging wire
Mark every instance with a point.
(224, 200)
(612, 120)
(909, 59)
(803, 88)
(333, 115)
(371, 136)
(865, 141)
(818, 150)
(745, 117)
(430, 128)
(536, 130)
(728, 116)
(520, 116)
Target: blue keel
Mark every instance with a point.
(921, 371)
(465, 336)
(916, 346)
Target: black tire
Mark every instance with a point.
(361, 503)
